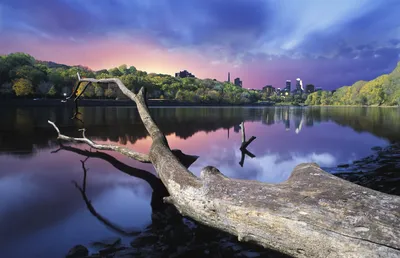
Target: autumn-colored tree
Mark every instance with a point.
(23, 87)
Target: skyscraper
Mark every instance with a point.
(229, 77)
(238, 82)
(299, 85)
(310, 88)
(288, 85)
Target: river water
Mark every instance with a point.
(43, 212)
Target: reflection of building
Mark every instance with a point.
(268, 116)
(268, 89)
(298, 120)
(238, 82)
(236, 128)
(286, 119)
(310, 88)
(309, 121)
(184, 74)
(287, 124)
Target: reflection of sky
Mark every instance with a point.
(46, 214)
(278, 151)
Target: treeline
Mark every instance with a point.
(23, 76)
(382, 91)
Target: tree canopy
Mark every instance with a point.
(383, 90)
(49, 79)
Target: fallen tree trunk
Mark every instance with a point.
(312, 214)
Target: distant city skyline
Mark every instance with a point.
(331, 44)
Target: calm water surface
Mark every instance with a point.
(43, 213)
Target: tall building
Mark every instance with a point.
(184, 74)
(229, 77)
(238, 82)
(310, 88)
(299, 85)
(288, 85)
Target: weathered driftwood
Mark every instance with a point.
(312, 214)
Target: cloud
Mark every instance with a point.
(343, 40)
(271, 167)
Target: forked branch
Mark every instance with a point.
(123, 150)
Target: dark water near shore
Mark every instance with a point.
(43, 214)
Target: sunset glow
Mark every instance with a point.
(328, 43)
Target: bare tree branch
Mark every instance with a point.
(123, 150)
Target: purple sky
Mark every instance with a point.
(330, 43)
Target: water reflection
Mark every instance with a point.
(169, 233)
(46, 214)
(25, 130)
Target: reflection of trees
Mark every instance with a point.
(23, 130)
(114, 124)
(169, 233)
(381, 122)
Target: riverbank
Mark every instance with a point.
(111, 102)
(381, 106)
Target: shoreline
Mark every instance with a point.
(152, 103)
(111, 103)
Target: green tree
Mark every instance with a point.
(115, 72)
(6, 89)
(89, 92)
(28, 72)
(132, 70)
(43, 88)
(23, 87)
(52, 92)
(110, 93)
(325, 98)
(131, 82)
(19, 59)
(99, 91)
(123, 69)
